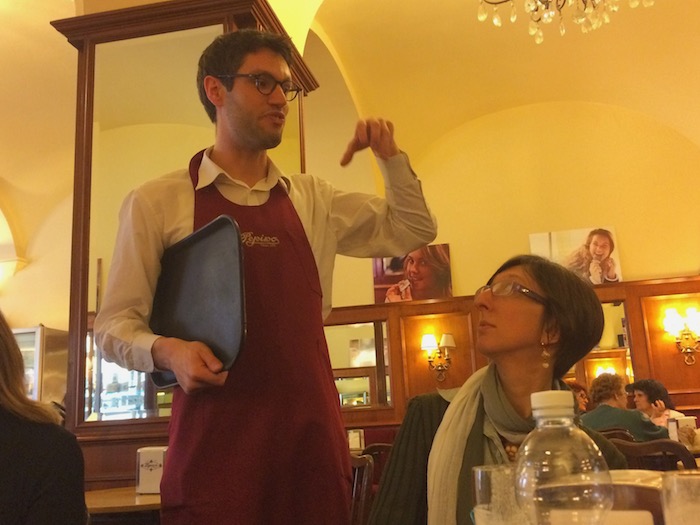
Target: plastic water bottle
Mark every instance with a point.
(561, 477)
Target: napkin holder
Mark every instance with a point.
(150, 461)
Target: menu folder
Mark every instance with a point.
(200, 293)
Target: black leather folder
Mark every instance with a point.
(200, 293)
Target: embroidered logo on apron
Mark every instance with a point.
(264, 241)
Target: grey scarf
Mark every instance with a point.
(507, 422)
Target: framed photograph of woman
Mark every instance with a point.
(424, 273)
(589, 252)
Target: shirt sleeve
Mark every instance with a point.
(649, 430)
(151, 218)
(371, 226)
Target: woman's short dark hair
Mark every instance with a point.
(654, 391)
(605, 386)
(572, 307)
(227, 52)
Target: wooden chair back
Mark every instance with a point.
(380, 454)
(362, 472)
(658, 454)
(619, 433)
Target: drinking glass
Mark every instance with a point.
(681, 497)
(495, 504)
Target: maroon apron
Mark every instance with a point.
(269, 447)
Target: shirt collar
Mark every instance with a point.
(210, 172)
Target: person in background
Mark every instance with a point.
(532, 336)
(426, 275)
(592, 260)
(239, 451)
(609, 396)
(41, 464)
(651, 398)
(581, 395)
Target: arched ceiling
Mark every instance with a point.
(431, 66)
(428, 66)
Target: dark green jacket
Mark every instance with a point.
(638, 424)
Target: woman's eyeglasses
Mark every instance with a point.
(266, 84)
(504, 288)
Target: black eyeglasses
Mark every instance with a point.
(266, 84)
(503, 288)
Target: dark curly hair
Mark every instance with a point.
(654, 391)
(227, 52)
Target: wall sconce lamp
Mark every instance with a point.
(438, 354)
(686, 330)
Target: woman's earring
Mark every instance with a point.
(545, 356)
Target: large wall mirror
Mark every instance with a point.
(139, 117)
(360, 357)
(613, 353)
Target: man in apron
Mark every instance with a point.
(239, 451)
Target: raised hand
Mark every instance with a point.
(400, 291)
(377, 134)
(609, 269)
(658, 408)
(596, 272)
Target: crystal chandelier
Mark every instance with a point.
(587, 14)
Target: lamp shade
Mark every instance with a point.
(673, 322)
(447, 341)
(428, 342)
(692, 320)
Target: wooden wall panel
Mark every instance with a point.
(419, 378)
(113, 464)
(111, 459)
(666, 362)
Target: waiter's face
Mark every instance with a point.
(254, 121)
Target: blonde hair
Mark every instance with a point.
(438, 259)
(13, 390)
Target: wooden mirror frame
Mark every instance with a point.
(84, 33)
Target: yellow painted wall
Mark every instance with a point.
(561, 166)
(491, 182)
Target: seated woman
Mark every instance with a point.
(581, 395)
(536, 319)
(41, 464)
(608, 393)
(652, 399)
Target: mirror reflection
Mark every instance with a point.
(360, 359)
(613, 353)
(148, 121)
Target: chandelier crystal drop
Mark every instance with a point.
(587, 14)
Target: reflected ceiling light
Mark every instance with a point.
(8, 267)
(686, 330)
(587, 14)
(10, 261)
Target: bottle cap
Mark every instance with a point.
(552, 403)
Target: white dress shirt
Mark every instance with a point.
(161, 212)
